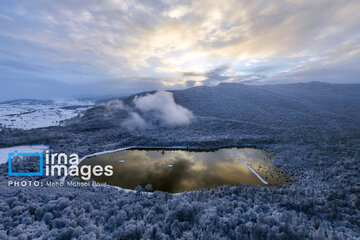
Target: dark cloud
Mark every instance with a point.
(262, 69)
(192, 74)
(190, 83)
(212, 77)
(216, 76)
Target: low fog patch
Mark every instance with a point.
(158, 108)
(114, 105)
(134, 121)
(111, 109)
(163, 107)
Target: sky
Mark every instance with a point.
(68, 48)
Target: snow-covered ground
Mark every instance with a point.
(29, 114)
(22, 149)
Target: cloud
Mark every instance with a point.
(146, 111)
(190, 83)
(124, 44)
(262, 69)
(114, 105)
(177, 12)
(210, 78)
(134, 121)
(162, 105)
(192, 74)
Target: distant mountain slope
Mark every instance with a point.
(286, 105)
(273, 103)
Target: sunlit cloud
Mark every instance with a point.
(127, 46)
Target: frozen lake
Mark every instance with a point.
(179, 170)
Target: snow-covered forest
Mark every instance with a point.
(312, 128)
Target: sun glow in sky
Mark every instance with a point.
(87, 48)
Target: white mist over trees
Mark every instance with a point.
(164, 107)
(158, 108)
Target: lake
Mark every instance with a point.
(179, 170)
